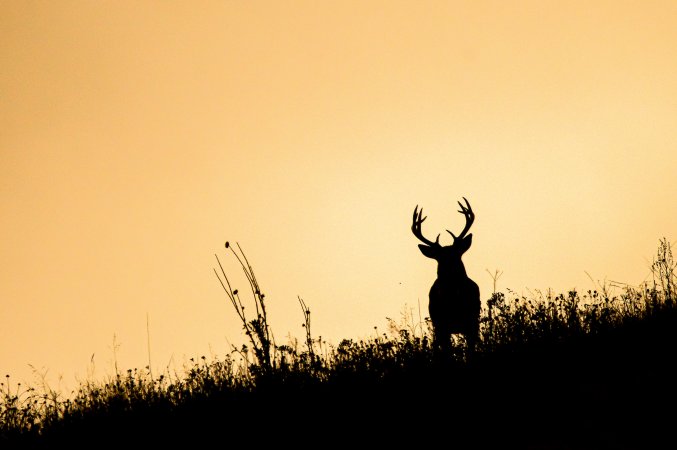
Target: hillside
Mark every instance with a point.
(575, 371)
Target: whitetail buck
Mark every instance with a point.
(454, 298)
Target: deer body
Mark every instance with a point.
(455, 308)
(454, 298)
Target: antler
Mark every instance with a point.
(469, 219)
(416, 228)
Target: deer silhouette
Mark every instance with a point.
(454, 298)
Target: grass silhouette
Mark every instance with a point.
(591, 370)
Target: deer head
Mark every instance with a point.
(448, 257)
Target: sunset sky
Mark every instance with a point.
(137, 137)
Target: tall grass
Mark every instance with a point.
(519, 337)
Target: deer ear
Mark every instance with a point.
(465, 243)
(428, 251)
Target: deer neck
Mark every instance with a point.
(451, 271)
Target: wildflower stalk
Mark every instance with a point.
(257, 330)
(306, 326)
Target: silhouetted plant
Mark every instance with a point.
(663, 270)
(257, 330)
(306, 326)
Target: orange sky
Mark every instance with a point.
(137, 137)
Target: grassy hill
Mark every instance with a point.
(579, 371)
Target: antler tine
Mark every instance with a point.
(465, 209)
(418, 214)
(469, 219)
(418, 219)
